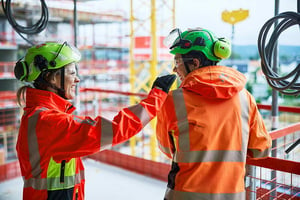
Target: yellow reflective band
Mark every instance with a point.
(54, 168)
(54, 173)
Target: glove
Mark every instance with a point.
(164, 82)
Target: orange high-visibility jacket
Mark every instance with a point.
(208, 127)
(51, 141)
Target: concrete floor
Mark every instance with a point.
(103, 182)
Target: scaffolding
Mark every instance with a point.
(150, 21)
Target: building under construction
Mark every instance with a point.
(122, 54)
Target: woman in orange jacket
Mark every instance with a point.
(51, 139)
(210, 124)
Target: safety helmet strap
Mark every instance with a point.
(42, 83)
(62, 82)
(186, 67)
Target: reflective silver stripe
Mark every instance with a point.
(84, 121)
(36, 183)
(53, 183)
(164, 149)
(79, 177)
(259, 154)
(106, 134)
(183, 124)
(245, 117)
(208, 156)
(245, 121)
(141, 113)
(179, 195)
(183, 154)
(33, 147)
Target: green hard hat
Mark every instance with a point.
(198, 39)
(46, 56)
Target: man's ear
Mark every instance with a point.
(197, 63)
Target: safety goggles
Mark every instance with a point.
(178, 61)
(75, 52)
(174, 39)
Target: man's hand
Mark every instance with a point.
(164, 82)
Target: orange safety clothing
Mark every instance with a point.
(51, 141)
(207, 127)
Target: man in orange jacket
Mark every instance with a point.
(210, 124)
(51, 139)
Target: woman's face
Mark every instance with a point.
(71, 80)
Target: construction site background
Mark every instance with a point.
(122, 53)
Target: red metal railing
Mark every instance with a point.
(290, 109)
(277, 177)
(263, 186)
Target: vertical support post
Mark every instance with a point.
(143, 61)
(153, 72)
(274, 117)
(132, 77)
(75, 23)
(174, 86)
(173, 14)
(153, 65)
(94, 43)
(77, 98)
(252, 172)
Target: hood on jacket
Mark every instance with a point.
(215, 82)
(47, 99)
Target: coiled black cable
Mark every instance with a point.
(277, 82)
(36, 28)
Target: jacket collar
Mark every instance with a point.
(215, 82)
(47, 99)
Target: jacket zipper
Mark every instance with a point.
(76, 195)
(62, 171)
